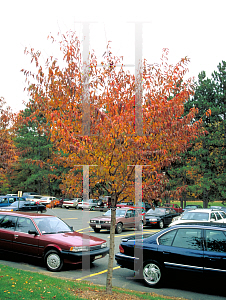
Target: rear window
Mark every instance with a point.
(199, 216)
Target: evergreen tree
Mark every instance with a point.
(202, 168)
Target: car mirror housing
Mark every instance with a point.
(33, 232)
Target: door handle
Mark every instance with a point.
(16, 236)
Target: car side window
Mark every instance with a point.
(218, 216)
(223, 214)
(213, 216)
(24, 225)
(215, 240)
(11, 200)
(190, 238)
(5, 200)
(9, 222)
(167, 238)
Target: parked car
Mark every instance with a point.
(29, 193)
(125, 204)
(7, 200)
(59, 202)
(187, 250)
(160, 216)
(88, 204)
(71, 203)
(46, 200)
(33, 197)
(125, 218)
(25, 206)
(49, 238)
(192, 206)
(176, 207)
(201, 215)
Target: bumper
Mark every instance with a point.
(128, 262)
(100, 226)
(77, 257)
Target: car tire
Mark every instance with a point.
(161, 224)
(140, 226)
(53, 261)
(97, 230)
(66, 207)
(152, 273)
(118, 228)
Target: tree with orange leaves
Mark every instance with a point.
(7, 148)
(95, 126)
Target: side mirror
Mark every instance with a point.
(72, 228)
(33, 232)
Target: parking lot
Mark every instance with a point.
(124, 278)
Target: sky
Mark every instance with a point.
(195, 29)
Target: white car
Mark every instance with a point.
(88, 204)
(46, 200)
(67, 203)
(201, 215)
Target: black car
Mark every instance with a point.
(160, 216)
(188, 250)
(27, 206)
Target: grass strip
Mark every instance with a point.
(19, 284)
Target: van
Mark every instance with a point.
(7, 200)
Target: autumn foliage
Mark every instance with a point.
(8, 154)
(98, 128)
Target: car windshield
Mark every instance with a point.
(17, 203)
(119, 213)
(199, 216)
(191, 206)
(157, 211)
(52, 225)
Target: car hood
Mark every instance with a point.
(74, 238)
(153, 215)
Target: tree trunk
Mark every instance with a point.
(111, 252)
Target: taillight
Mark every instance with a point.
(121, 249)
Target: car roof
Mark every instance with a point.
(202, 210)
(203, 225)
(24, 214)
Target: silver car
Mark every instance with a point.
(71, 203)
(88, 204)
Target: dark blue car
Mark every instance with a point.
(197, 249)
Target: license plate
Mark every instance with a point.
(98, 226)
(98, 256)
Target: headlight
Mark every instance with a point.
(79, 249)
(107, 222)
(92, 221)
(153, 219)
(104, 245)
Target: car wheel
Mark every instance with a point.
(118, 228)
(152, 273)
(53, 261)
(66, 207)
(97, 230)
(161, 224)
(140, 226)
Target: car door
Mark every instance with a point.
(215, 252)
(184, 250)
(7, 227)
(169, 214)
(24, 242)
(129, 218)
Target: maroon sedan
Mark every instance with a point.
(49, 238)
(126, 217)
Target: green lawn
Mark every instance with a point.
(18, 284)
(215, 203)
